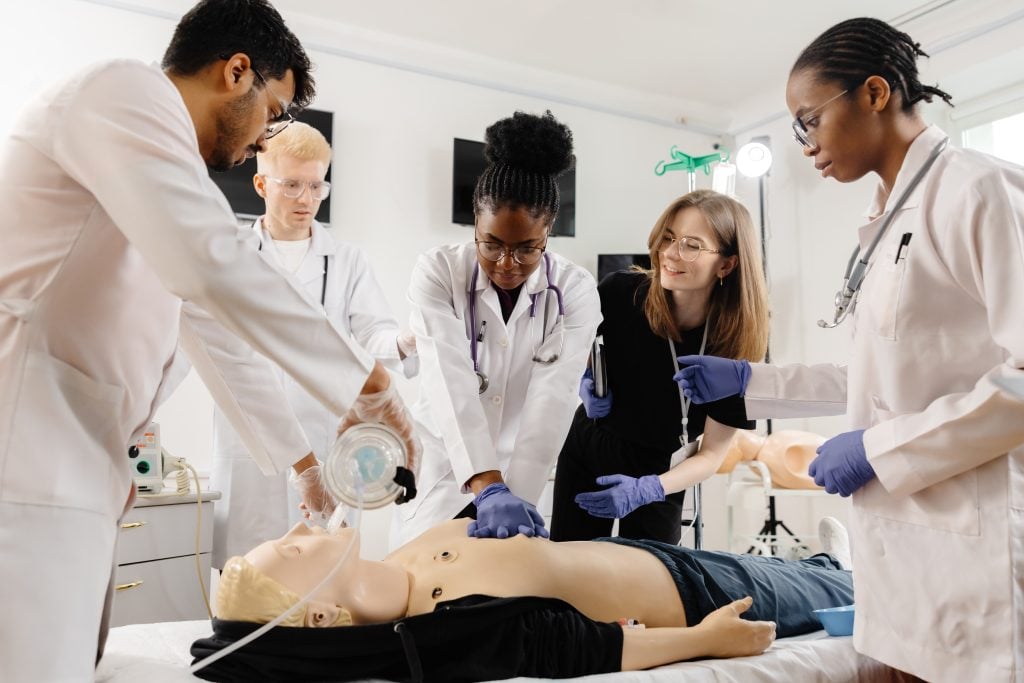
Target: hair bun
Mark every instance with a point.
(539, 144)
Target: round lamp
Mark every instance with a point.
(754, 159)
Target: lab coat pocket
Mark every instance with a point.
(951, 505)
(67, 445)
(882, 292)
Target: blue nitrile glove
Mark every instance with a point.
(710, 378)
(501, 514)
(625, 495)
(842, 465)
(595, 407)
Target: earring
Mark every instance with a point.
(721, 282)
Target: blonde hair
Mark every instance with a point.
(738, 309)
(247, 594)
(300, 141)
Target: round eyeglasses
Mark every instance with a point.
(494, 252)
(688, 248)
(293, 189)
(799, 125)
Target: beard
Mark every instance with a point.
(232, 122)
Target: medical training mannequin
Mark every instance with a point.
(445, 567)
(290, 178)
(705, 292)
(499, 365)
(933, 460)
(786, 454)
(111, 222)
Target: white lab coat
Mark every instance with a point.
(938, 537)
(254, 507)
(518, 424)
(111, 220)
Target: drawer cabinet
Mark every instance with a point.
(156, 578)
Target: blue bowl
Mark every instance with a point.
(838, 621)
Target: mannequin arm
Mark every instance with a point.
(705, 462)
(721, 634)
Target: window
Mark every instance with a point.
(1003, 138)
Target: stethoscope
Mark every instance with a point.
(323, 283)
(476, 335)
(856, 269)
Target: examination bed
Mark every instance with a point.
(159, 653)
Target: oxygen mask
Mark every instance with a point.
(369, 462)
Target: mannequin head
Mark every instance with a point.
(276, 574)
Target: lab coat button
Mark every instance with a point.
(496, 400)
(504, 343)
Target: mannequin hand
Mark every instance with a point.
(729, 635)
(501, 514)
(386, 407)
(317, 503)
(406, 342)
(625, 495)
(710, 378)
(595, 406)
(842, 465)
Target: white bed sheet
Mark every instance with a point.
(159, 653)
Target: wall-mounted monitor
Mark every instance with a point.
(236, 184)
(468, 163)
(610, 263)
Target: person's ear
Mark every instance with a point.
(878, 92)
(728, 266)
(321, 614)
(259, 183)
(233, 72)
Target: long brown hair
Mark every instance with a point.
(738, 309)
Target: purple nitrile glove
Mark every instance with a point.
(502, 514)
(594, 405)
(710, 378)
(842, 465)
(625, 495)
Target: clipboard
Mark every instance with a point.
(598, 367)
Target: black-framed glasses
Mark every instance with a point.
(495, 252)
(293, 189)
(688, 248)
(800, 132)
(282, 120)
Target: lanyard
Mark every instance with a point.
(684, 402)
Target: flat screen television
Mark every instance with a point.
(468, 163)
(611, 263)
(236, 184)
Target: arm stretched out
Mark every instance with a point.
(721, 634)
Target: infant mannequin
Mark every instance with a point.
(787, 455)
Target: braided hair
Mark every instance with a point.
(853, 50)
(525, 155)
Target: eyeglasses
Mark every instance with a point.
(689, 249)
(524, 256)
(800, 132)
(293, 189)
(282, 120)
